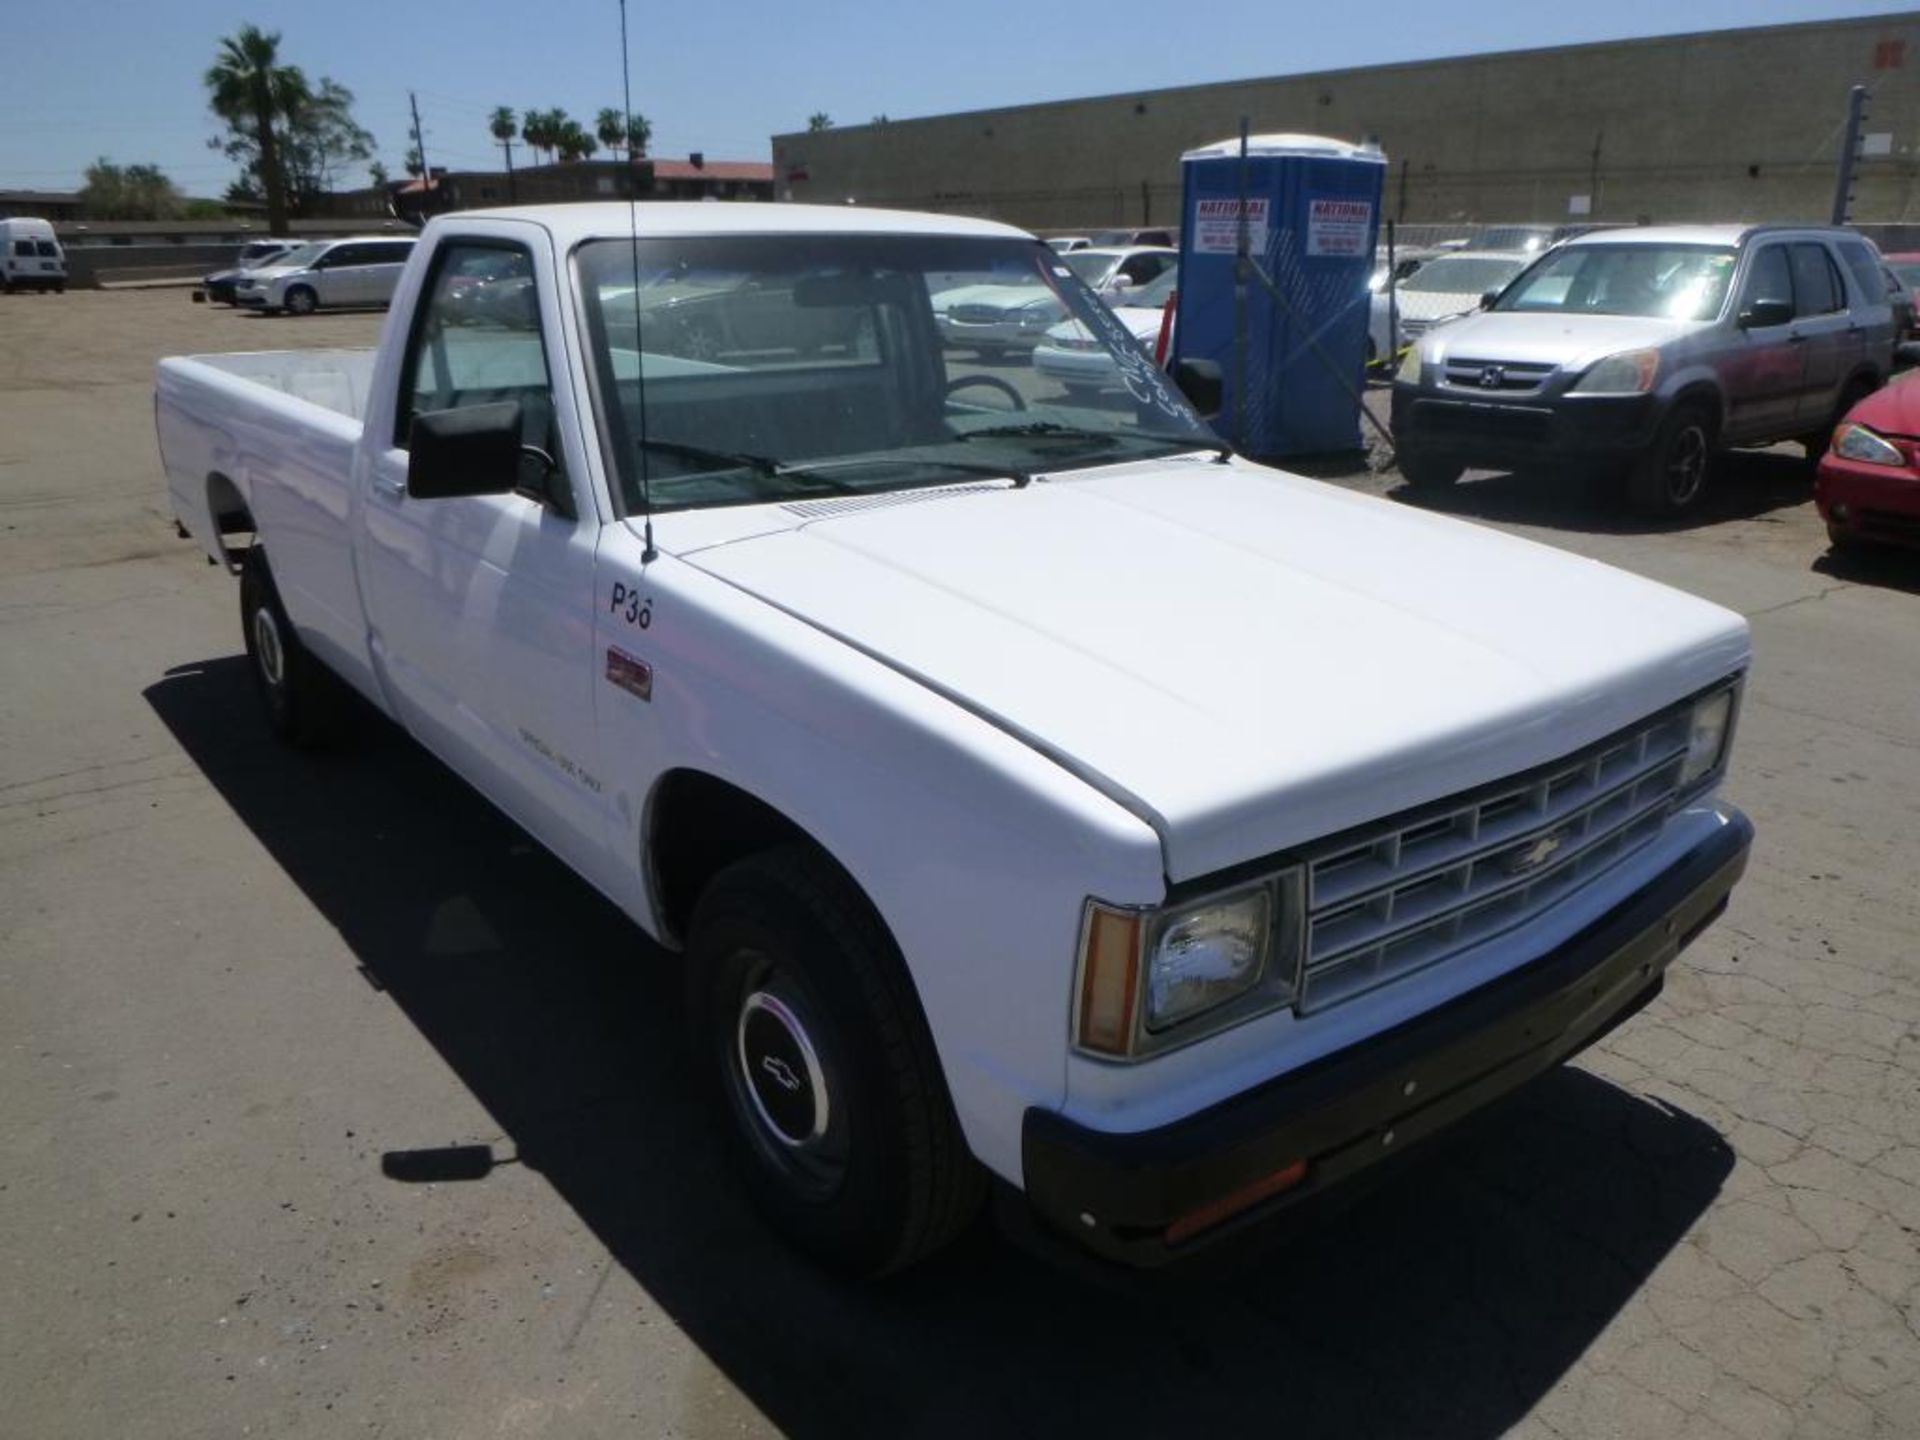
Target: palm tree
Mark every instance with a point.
(639, 136)
(504, 125)
(819, 120)
(611, 126)
(574, 142)
(533, 130)
(249, 88)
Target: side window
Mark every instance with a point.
(394, 252)
(23, 247)
(1867, 273)
(477, 341)
(1770, 278)
(1816, 288)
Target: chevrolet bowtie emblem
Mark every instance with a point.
(1533, 856)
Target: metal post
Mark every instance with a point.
(1849, 152)
(1391, 360)
(1242, 263)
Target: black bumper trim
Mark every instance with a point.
(1353, 1108)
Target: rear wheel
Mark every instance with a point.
(301, 300)
(810, 1037)
(1671, 477)
(301, 698)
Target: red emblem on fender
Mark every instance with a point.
(632, 675)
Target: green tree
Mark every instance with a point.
(639, 136)
(504, 126)
(574, 142)
(377, 176)
(540, 129)
(322, 141)
(611, 126)
(253, 92)
(129, 192)
(819, 120)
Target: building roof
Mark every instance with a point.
(760, 170)
(570, 224)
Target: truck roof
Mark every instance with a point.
(573, 223)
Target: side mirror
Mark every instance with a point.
(1763, 313)
(470, 451)
(1487, 297)
(1200, 381)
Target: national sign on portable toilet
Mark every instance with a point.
(1312, 208)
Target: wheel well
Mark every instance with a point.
(227, 508)
(697, 825)
(1707, 398)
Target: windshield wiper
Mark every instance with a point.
(1020, 478)
(810, 476)
(720, 459)
(1222, 452)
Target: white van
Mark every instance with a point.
(30, 258)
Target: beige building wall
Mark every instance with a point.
(1728, 125)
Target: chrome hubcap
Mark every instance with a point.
(267, 650)
(781, 1070)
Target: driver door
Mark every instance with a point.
(481, 607)
(1765, 371)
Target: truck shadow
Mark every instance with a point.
(1743, 485)
(1446, 1304)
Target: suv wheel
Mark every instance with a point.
(1671, 477)
(1427, 472)
(301, 300)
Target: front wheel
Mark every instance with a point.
(301, 300)
(1428, 472)
(809, 1035)
(1671, 477)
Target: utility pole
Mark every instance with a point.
(419, 145)
(1849, 152)
(513, 196)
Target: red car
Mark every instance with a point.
(1868, 486)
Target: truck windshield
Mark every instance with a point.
(1672, 282)
(780, 367)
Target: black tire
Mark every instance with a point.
(811, 1042)
(1845, 542)
(1671, 477)
(300, 696)
(1427, 472)
(301, 300)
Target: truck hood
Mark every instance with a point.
(1247, 660)
(1544, 338)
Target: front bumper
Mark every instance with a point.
(1119, 1194)
(1501, 433)
(1873, 502)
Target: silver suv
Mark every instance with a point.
(1646, 350)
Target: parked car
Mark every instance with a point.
(1161, 238)
(30, 256)
(1532, 239)
(1868, 483)
(1110, 271)
(219, 287)
(1448, 284)
(1903, 277)
(1065, 243)
(1083, 364)
(1041, 796)
(1645, 350)
(329, 274)
(992, 316)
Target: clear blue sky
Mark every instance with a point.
(84, 78)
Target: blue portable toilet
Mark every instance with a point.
(1313, 215)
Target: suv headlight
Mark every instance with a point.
(1707, 734)
(1857, 442)
(1631, 372)
(1150, 980)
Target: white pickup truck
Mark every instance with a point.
(1045, 799)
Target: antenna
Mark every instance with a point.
(645, 454)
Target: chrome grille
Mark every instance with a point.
(1426, 885)
(978, 314)
(1499, 376)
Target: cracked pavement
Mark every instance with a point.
(329, 1104)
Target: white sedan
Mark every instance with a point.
(1081, 365)
(1444, 286)
(1111, 271)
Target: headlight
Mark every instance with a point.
(1205, 955)
(1707, 736)
(1631, 372)
(1153, 979)
(1409, 370)
(1857, 442)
